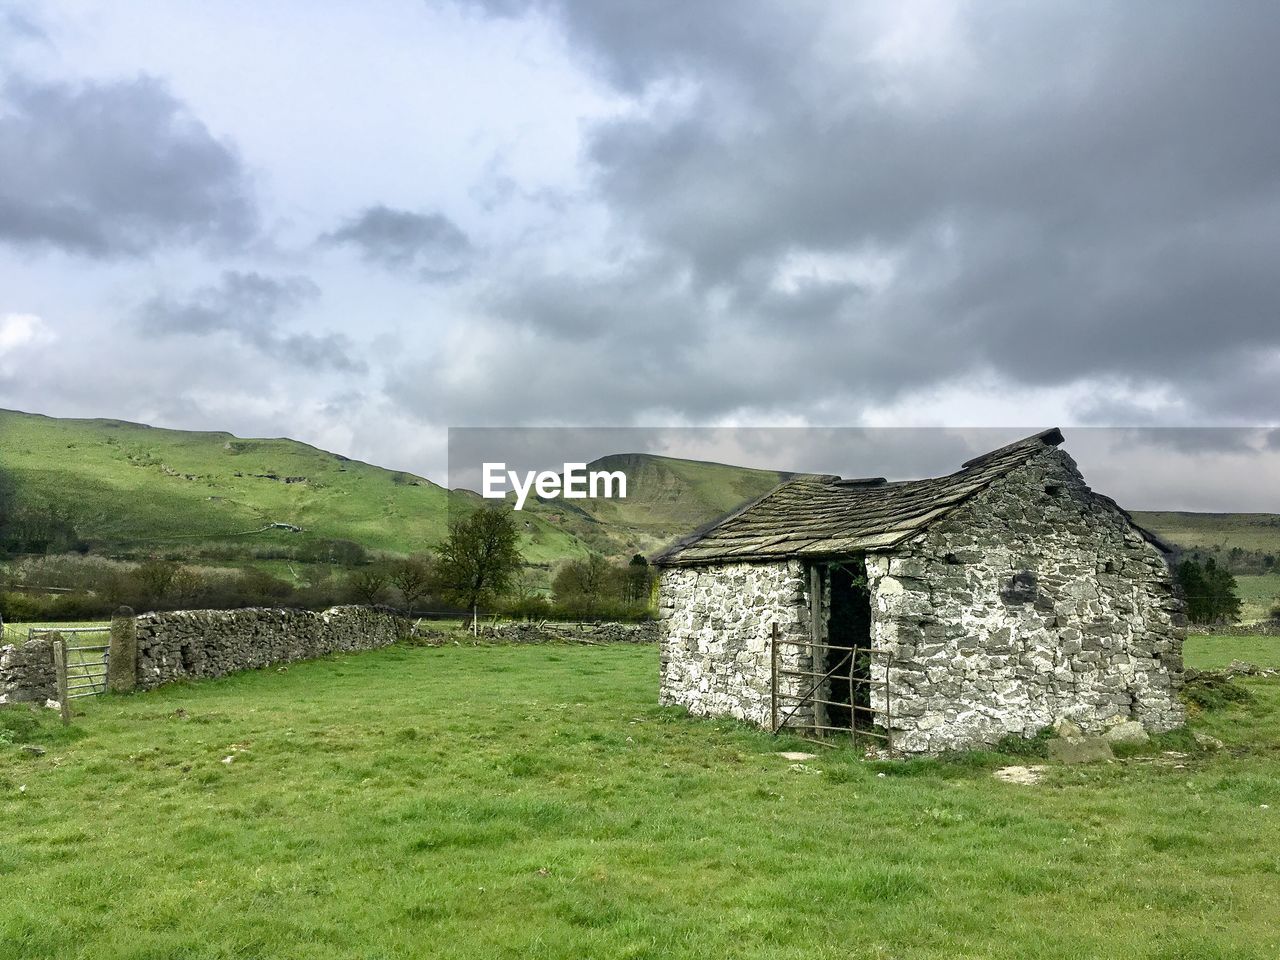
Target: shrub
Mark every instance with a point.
(369, 585)
(1213, 691)
(529, 608)
(1015, 745)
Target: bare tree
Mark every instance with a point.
(412, 578)
(368, 585)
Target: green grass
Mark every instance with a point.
(534, 802)
(1212, 653)
(18, 632)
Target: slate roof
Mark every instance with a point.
(817, 516)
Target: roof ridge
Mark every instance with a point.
(1050, 438)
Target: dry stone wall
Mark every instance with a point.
(196, 644)
(716, 623)
(26, 673)
(1034, 602)
(552, 632)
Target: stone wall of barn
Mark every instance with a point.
(1033, 602)
(715, 628)
(196, 644)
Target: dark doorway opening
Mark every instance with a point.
(849, 653)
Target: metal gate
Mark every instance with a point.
(806, 677)
(81, 665)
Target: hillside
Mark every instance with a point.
(135, 489)
(666, 498)
(127, 487)
(1217, 532)
(130, 487)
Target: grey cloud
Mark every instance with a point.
(1082, 193)
(640, 300)
(634, 44)
(1201, 441)
(20, 26)
(112, 169)
(428, 245)
(248, 307)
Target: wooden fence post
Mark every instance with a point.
(774, 637)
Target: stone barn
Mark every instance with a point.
(926, 615)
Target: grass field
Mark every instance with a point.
(1211, 653)
(534, 802)
(1259, 595)
(17, 632)
(1215, 531)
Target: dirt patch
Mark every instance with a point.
(1021, 775)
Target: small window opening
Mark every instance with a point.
(951, 559)
(1053, 489)
(1021, 588)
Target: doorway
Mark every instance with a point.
(848, 650)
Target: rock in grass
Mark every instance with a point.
(1242, 668)
(1207, 742)
(1067, 728)
(1079, 749)
(1131, 731)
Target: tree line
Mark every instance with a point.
(478, 567)
(1210, 591)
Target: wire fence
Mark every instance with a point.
(18, 633)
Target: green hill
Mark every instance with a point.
(132, 488)
(1247, 544)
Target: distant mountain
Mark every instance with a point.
(666, 498)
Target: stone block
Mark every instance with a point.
(1080, 749)
(1130, 731)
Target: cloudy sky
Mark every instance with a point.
(359, 224)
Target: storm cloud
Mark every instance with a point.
(114, 169)
(1047, 193)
